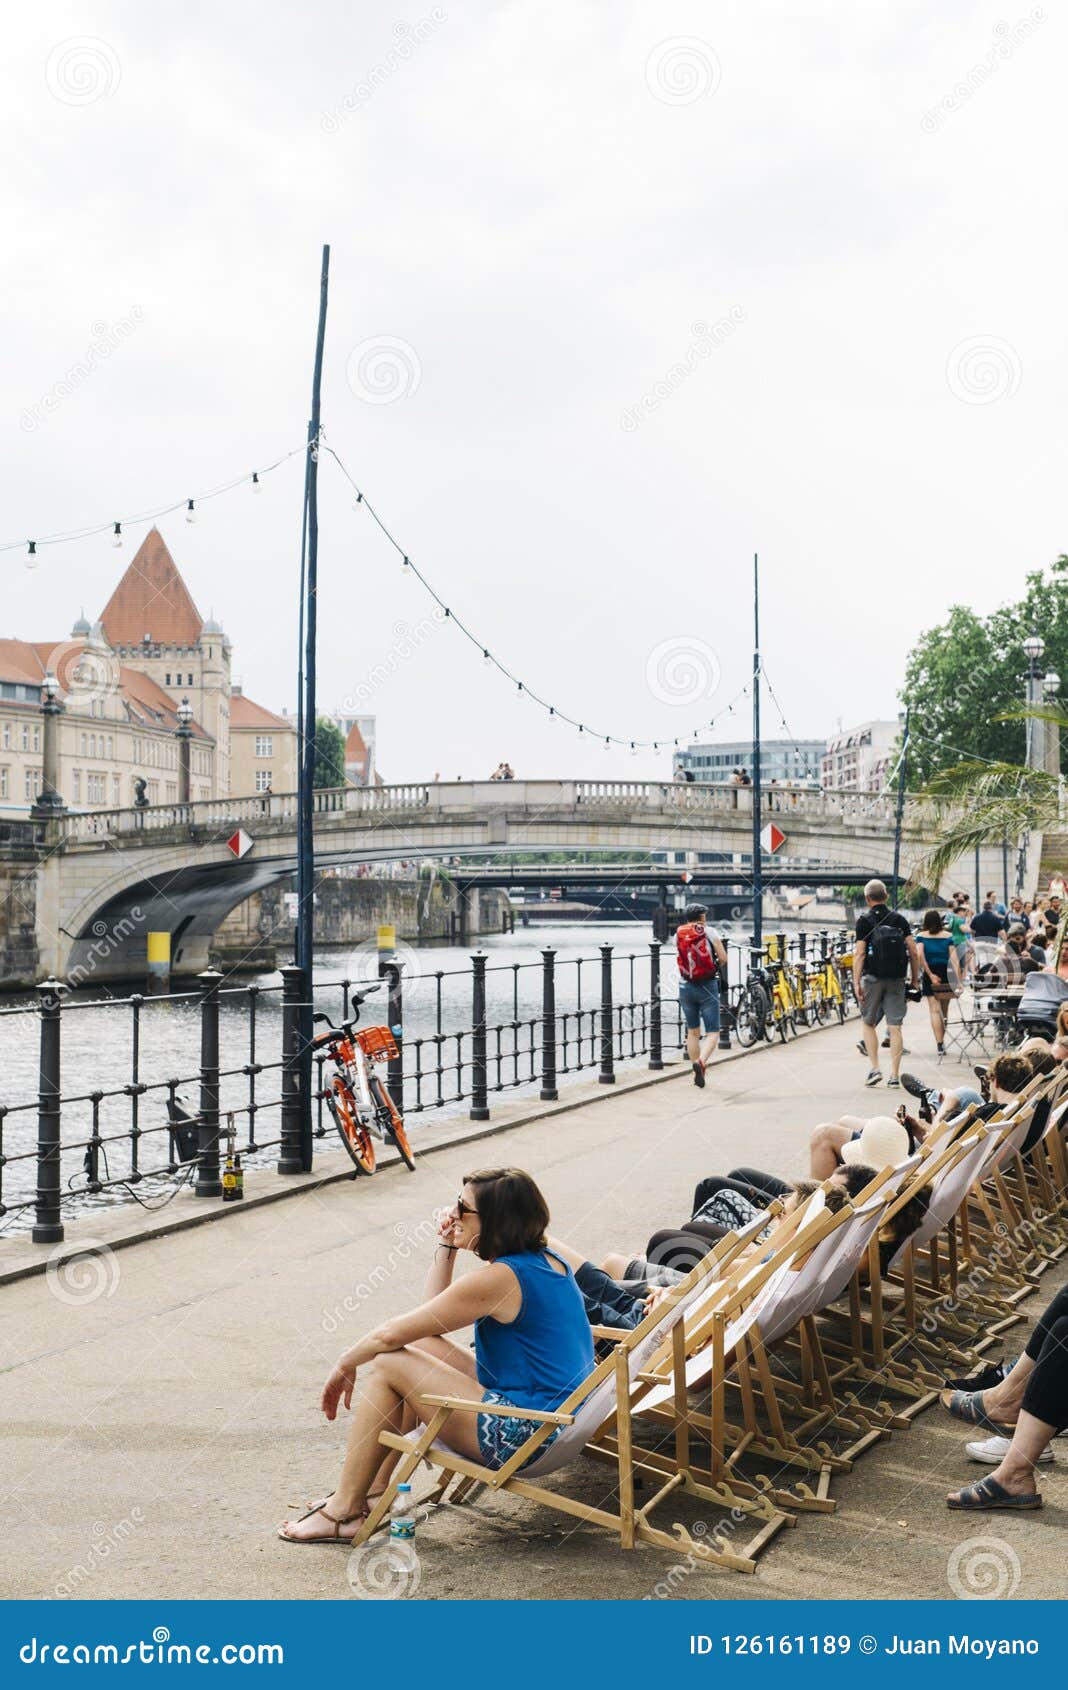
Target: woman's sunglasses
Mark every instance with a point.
(463, 1208)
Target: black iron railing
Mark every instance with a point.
(467, 1036)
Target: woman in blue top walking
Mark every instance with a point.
(533, 1346)
(939, 959)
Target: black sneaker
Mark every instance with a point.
(698, 1073)
(984, 1380)
(862, 1047)
(980, 1071)
(914, 1087)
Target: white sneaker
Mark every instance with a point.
(994, 1450)
(874, 1077)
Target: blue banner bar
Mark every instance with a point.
(538, 1645)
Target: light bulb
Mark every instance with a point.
(257, 485)
(116, 537)
(407, 563)
(190, 511)
(31, 555)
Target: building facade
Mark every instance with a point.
(860, 759)
(788, 762)
(120, 682)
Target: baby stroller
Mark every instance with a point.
(1040, 1000)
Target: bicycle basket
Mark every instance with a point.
(377, 1043)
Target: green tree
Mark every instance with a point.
(963, 675)
(329, 754)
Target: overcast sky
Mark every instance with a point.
(620, 293)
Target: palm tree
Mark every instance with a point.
(984, 803)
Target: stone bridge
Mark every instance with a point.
(106, 878)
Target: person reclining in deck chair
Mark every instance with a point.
(533, 1347)
(674, 1249)
(1019, 1415)
(625, 1287)
(1000, 1082)
(721, 1205)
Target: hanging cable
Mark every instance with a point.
(115, 527)
(552, 710)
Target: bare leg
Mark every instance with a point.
(1003, 1401)
(826, 1142)
(708, 1046)
(396, 1378)
(897, 1045)
(871, 1044)
(615, 1265)
(693, 1044)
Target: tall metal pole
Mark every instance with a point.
(305, 785)
(900, 807)
(758, 867)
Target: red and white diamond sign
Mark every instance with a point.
(772, 837)
(239, 843)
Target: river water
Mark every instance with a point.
(98, 1043)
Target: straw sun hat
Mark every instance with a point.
(883, 1143)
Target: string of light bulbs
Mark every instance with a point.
(115, 526)
(554, 713)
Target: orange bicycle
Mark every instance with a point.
(361, 1106)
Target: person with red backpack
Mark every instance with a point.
(702, 960)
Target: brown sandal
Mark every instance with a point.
(324, 1537)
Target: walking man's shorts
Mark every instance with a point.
(699, 1002)
(883, 997)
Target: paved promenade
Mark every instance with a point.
(161, 1418)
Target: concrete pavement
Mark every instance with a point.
(160, 1402)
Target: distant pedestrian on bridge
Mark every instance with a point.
(702, 958)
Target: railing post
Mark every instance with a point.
(208, 1182)
(479, 1110)
(49, 1227)
(290, 1159)
(607, 1076)
(824, 944)
(548, 1093)
(391, 971)
(656, 1049)
(723, 986)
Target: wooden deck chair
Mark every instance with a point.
(1024, 1188)
(877, 1338)
(604, 1396)
(938, 1316)
(727, 1345)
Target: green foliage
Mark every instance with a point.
(329, 754)
(962, 675)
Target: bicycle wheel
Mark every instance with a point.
(351, 1129)
(751, 1015)
(390, 1121)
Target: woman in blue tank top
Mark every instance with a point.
(533, 1349)
(941, 971)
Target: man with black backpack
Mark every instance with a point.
(884, 956)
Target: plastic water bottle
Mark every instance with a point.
(402, 1517)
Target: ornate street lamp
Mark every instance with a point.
(1034, 650)
(48, 801)
(183, 733)
(1051, 686)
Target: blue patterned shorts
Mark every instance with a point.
(500, 1435)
